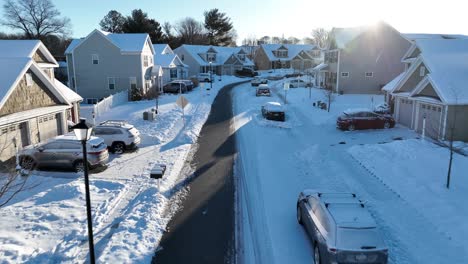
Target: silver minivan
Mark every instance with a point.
(64, 152)
(340, 228)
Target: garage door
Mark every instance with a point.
(405, 112)
(433, 114)
(49, 126)
(9, 135)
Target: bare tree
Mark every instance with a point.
(329, 96)
(36, 18)
(264, 40)
(320, 37)
(293, 40)
(276, 40)
(190, 31)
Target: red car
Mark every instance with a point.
(363, 119)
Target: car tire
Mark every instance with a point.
(317, 257)
(78, 166)
(386, 125)
(118, 147)
(299, 215)
(351, 127)
(27, 163)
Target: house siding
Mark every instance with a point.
(26, 98)
(194, 66)
(261, 60)
(457, 123)
(39, 57)
(412, 81)
(92, 79)
(379, 52)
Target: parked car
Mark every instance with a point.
(340, 228)
(64, 152)
(273, 111)
(246, 72)
(297, 83)
(188, 83)
(175, 87)
(258, 81)
(118, 135)
(363, 119)
(263, 90)
(204, 77)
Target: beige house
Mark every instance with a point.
(431, 96)
(362, 59)
(296, 56)
(34, 106)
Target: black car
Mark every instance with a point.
(190, 85)
(246, 72)
(175, 87)
(273, 111)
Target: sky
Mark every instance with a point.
(282, 17)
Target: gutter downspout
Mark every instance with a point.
(74, 72)
(338, 75)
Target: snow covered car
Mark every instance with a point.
(118, 135)
(340, 228)
(258, 81)
(274, 111)
(263, 90)
(383, 109)
(204, 77)
(64, 152)
(363, 119)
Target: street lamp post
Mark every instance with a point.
(211, 75)
(83, 133)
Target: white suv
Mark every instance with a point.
(118, 135)
(204, 77)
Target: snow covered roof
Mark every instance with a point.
(447, 62)
(222, 54)
(321, 66)
(126, 42)
(389, 87)
(415, 36)
(25, 49)
(67, 92)
(293, 50)
(162, 49)
(12, 70)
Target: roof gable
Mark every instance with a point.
(26, 49)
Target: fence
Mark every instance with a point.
(109, 102)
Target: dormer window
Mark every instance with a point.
(241, 57)
(95, 58)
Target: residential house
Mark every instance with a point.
(167, 65)
(34, 106)
(105, 63)
(432, 94)
(362, 59)
(296, 56)
(219, 60)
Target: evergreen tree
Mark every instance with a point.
(219, 28)
(139, 22)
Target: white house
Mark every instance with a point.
(167, 65)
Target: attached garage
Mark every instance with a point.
(50, 126)
(432, 114)
(405, 112)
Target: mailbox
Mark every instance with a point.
(157, 171)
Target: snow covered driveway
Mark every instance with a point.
(276, 161)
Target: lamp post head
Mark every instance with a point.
(82, 130)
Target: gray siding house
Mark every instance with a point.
(34, 106)
(219, 60)
(363, 59)
(106, 63)
(296, 56)
(431, 96)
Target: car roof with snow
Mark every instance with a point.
(273, 107)
(356, 110)
(264, 86)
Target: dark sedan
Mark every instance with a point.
(273, 111)
(363, 119)
(175, 87)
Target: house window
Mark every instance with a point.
(182, 57)
(151, 60)
(345, 74)
(211, 57)
(29, 81)
(422, 71)
(242, 57)
(439, 109)
(147, 84)
(95, 58)
(423, 106)
(111, 83)
(91, 100)
(133, 83)
(173, 73)
(145, 61)
(369, 74)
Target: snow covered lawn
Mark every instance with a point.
(130, 211)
